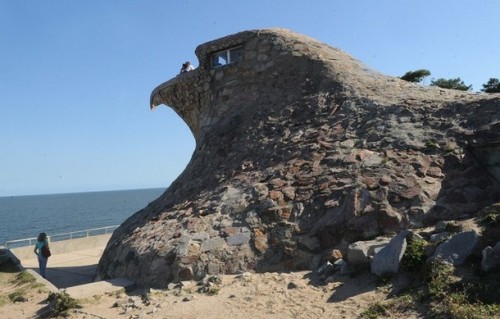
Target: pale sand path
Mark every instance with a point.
(268, 295)
(69, 269)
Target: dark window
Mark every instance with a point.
(235, 54)
(227, 56)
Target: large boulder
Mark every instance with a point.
(301, 149)
(360, 253)
(386, 261)
(456, 249)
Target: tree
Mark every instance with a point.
(454, 84)
(493, 86)
(416, 76)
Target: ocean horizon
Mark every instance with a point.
(84, 192)
(25, 216)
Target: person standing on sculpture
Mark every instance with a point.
(42, 244)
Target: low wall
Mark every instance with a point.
(64, 246)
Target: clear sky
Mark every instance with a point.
(76, 76)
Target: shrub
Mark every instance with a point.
(416, 76)
(377, 310)
(24, 277)
(17, 296)
(438, 278)
(458, 299)
(61, 302)
(454, 84)
(414, 256)
(490, 216)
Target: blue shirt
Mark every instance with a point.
(39, 245)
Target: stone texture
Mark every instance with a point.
(456, 249)
(361, 252)
(299, 140)
(490, 258)
(387, 260)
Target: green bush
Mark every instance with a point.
(377, 310)
(416, 76)
(414, 256)
(438, 278)
(61, 302)
(454, 84)
(459, 299)
(491, 218)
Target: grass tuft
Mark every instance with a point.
(23, 277)
(61, 303)
(440, 293)
(377, 310)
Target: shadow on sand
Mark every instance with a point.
(64, 277)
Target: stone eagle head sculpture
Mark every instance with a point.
(301, 149)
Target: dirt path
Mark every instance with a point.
(269, 295)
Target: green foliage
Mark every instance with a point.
(490, 216)
(17, 296)
(454, 84)
(61, 302)
(438, 276)
(212, 291)
(24, 284)
(24, 277)
(377, 310)
(491, 219)
(432, 145)
(414, 256)
(492, 86)
(437, 291)
(415, 76)
(458, 299)
(402, 304)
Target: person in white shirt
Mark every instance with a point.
(186, 67)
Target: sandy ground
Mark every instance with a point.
(270, 295)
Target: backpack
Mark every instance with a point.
(45, 251)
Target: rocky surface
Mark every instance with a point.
(301, 150)
(387, 260)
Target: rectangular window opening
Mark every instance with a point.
(225, 57)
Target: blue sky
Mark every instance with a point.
(76, 76)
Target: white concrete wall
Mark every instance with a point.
(64, 246)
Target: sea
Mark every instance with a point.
(27, 216)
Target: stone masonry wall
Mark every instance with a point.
(301, 149)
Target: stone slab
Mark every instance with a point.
(98, 288)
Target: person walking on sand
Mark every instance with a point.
(43, 252)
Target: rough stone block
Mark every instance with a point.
(386, 261)
(456, 249)
(238, 239)
(360, 252)
(212, 244)
(490, 258)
